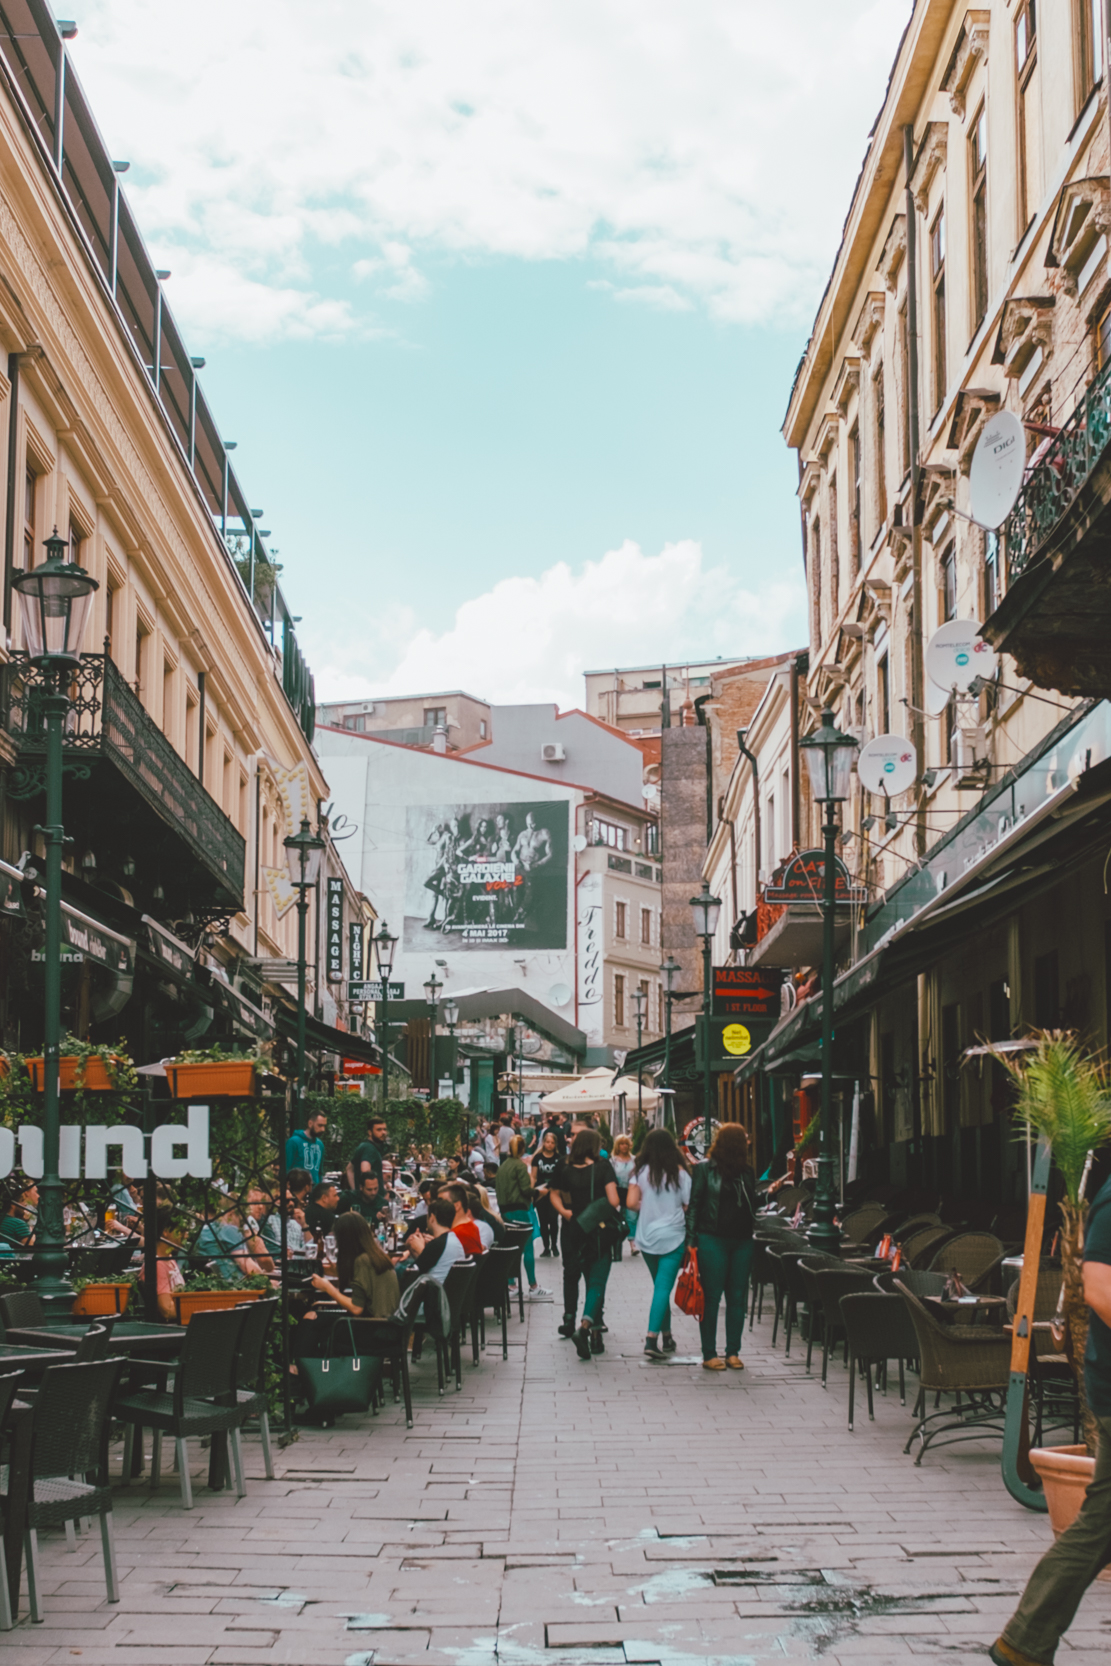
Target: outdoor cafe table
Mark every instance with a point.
(129, 1336)
(987, 1310)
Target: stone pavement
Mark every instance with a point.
(557, 1513)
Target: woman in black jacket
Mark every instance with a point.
(720, 1224)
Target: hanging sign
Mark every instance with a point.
(370, 989)
(737, 1040)
(803, 880)
(356, 950)
(334, 930)
(744, 992)
(360, 1067)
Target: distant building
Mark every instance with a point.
(542, 740)
(631, 698)
(412, 719)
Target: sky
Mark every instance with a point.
(501, 301)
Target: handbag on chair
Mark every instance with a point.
(332, 1384)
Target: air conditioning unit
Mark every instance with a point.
(553, 753)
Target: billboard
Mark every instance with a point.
(486, 876)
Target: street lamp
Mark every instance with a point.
(303, 852)
(669, 971)
(829, 758)
(55, 601)
(705, 909)
(384, 946)
(432, 988)
(640, 1001)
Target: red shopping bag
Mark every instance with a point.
(689, 1297)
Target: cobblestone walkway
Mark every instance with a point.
(557, 1513)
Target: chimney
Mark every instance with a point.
(439, 738)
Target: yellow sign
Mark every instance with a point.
(736, 1039)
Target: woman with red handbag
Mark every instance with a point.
(721, 1221)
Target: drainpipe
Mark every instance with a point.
(742, 735)
(703, 720)
(201, 736)
(13, 485)
(796, 805)
(917, 697)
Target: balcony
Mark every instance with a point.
(1055, 616)
(128, 796)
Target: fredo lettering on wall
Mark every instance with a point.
(101, 1141)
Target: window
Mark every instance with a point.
(816, 581)
(1103, 340)
(356, 723)
(608, 833)
(883, 695)
(619, 1000)
(855, 477)
(978, 167)
(191, 715)
(646, 927)
(937, 280)
(622, 910)
(29, 540)
(110, 612)
(141, 634)
(904, 391)
(1029, 134)
(482, 728)
(834, 554)
(435, 717)
(771, 829)
(947, 589)
(1047, 997)
(76, 544)
(1089, 46)
(993, 573)
(168, 724)
(880, 437)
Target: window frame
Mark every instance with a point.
(1026, 62)
(619, 1000)
(938, 315)
(978, 215)
(621, 921)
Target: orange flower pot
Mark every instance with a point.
(215, 1079)
(188, 1302)
(97, 1079)
(1066, 1472)
(96, 1299)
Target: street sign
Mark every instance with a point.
(371, 990)
(803, 880)
(744, 992)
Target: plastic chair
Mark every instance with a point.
(876, 1329)
(20, 1309)
(250, 1371)
(492, 1291)
(8, 1385)
(70, 1438)
(972, 1360)
(202, 1401)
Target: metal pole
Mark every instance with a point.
(707, 980)
(282, 1109)
(451, 1033)
(150, 1214)
(49, 1263)
(823, 1234)
(385, 1039)
(431, 1051)
(302, 917)
(640, 1085)
(667, 1039)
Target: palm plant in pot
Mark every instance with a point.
(1063, 1095)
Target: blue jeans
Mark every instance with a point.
(724, 1265)
(664, 1270)
(528, 1217)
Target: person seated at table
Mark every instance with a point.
(426, 1191)
(19, 1201)
(475, 1235)
(127, 1201)
(222, 1241)
(366, 1200)
(320, 1211)
(436, 1251)
(362, 1264)
(173, 1229)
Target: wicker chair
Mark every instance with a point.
(70, 1438)
(808, 1267)
(830, 1284)
(866, 1224)
(919, 1284)
(921, 1247)
(974, 1255)
(914, 1223)
(877, 1329)
(20, 1309)
(972, 1360)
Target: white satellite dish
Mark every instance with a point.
(998, 464)
(559, 994)
(887, 765)
(579, 842)
(955, 654)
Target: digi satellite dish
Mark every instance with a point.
(559, 994)
(998, 464)
(579, 842)
(887, 765)
(955, 654)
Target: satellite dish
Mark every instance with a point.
(559, 994)
(955, 654)
(998, 464)
(936, 698)
(579, 841)
(887, 765)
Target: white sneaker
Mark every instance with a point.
(539, 1294)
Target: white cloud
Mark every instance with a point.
(530, 639)
(704, 151)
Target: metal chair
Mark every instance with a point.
(517, 1236)
(202, 1401)
(877, 1329)
(8, 1385)
(388, 1339)
(70, 1438)
(459, 1289)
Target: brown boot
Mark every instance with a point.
(1005, 1654)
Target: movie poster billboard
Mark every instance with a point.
(486, 876)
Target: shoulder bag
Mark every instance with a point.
(602, 1221)
(338, 1384)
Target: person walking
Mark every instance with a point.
(304, 1149)
(721, 1219)
(514, 1193)
(659, 1193)
(623, 1165)
(545, 1165)
(580, 1183)
(1069, 1566)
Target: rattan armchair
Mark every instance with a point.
(963, 1360)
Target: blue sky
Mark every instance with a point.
(501, 303)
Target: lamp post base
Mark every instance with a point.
(824, 1233)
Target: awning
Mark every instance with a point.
(167, 948)
(325, 1038)
(98, 942)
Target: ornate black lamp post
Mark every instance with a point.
(829, 758)
(384, 946)
(640, 1001)
(669, 971)
(55, 601)
(706, 909)
(432, 988)
(303, 852)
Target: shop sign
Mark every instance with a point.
(356, 950)
(745, 992)
(359, 1067)
(128, 1141)
(730, 1042)
(370, 989)
(86, 939)
(803, 880)
(737, 1040)
(168, 948)
(334, 931)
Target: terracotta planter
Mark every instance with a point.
(1065, 1473)
(97, 1299)
(97, 1079)
(215, 1079)
(189, 1302)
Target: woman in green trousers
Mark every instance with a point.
(720, 1224)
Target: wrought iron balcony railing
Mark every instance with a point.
(108, 720)
(1059, 477)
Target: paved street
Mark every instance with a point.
(568, 1513)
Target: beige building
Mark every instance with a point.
(972, 279)
(618, 878)
(413, 720)
(633, 697)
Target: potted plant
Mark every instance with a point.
(97, 1296)
(1064, 1097)
(210, 1072)
(86, 1067)
(205, 1291)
